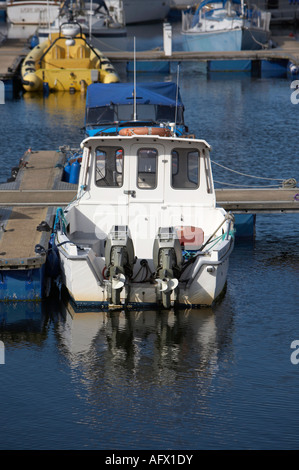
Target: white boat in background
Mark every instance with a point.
(95, 18)
(144, 229)
(33, 12)
(225, 26)
(142, 11)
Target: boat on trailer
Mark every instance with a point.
(144, 230)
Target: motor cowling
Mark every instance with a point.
(167, 258)
(119, 259)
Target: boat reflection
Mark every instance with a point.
(66, 110)
(58, 102)
(150, 346)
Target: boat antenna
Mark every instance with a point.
(134, 92)
(48, 18)
(177, 97)
(90, 19)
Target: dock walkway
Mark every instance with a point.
(19, 234)
(12, 52)
(287, 48)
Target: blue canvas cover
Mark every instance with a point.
(163, 93)
(111, 106)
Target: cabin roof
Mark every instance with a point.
(142, 139)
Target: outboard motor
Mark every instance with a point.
(167, 257)
(119, 258)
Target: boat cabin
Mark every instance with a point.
(144, 183)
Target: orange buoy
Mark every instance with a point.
(161, 131)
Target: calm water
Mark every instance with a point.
(218, 378)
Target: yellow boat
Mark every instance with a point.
(66, 61)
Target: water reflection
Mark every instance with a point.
(23, 322)
(66, 103)
(147, 346)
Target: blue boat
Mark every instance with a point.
(111, 108)
(225, 26)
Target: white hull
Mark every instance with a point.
(223, 29)
(86, 289)
(32, 13)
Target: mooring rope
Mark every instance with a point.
(247, 185)
(289, 182)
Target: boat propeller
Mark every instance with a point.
(118, 281)
(167, 285)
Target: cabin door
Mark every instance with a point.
(144, 176)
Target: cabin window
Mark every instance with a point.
(109, 166)
(125, 112)
(147, 168)
(101, 114)
(185, 168)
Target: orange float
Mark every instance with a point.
(161, 131)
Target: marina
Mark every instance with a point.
(13, 52)
(133, 378)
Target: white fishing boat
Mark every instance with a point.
(143, 11)
(225, 26)
(95, 18)
(32, 12)
(144, 229)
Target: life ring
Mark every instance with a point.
(161, 131)
(296, 197)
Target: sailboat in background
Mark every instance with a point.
(225, 26)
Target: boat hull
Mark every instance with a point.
(85, 289)
(234, 40)
(32, 13)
